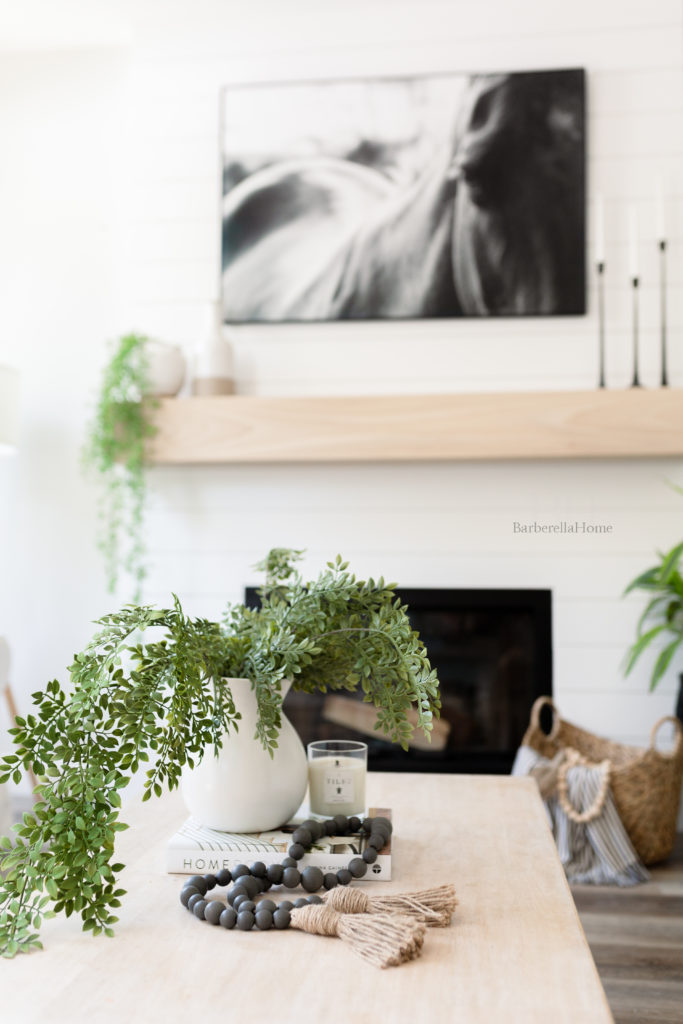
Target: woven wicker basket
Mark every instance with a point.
(646, 784)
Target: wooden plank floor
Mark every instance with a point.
(636, 937)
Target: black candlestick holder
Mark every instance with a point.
(662, 311)
(600, 268)
(635, 282)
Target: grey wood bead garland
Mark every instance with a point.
(250, 882)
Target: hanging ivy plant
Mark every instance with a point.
(114, 450)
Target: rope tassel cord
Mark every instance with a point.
(433, 907)
(382, 939)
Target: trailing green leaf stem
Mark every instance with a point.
(115, 451)
(160, 704)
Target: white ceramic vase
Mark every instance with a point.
(213, 368)
(165, 368)
(244, 789)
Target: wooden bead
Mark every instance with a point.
(186, 892)
(381, 820)
(316, 828)
(199, 908)
(358, 867)
(312, 878)
(291, 878)
(199, 882)
(264, 919)
(251, 884)
(274, 873)
(239, 900)
(228, 918)
(193, 900)
(213, 911)
(237, 890)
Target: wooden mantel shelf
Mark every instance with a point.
(536, 425)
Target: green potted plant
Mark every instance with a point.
(114, 451)
(168, 702)
(662, 618)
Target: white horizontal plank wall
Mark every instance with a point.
(429, 525)
(146, 257)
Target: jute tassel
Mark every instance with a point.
(385, 940)
(434, 907)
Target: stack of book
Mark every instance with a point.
(196, 849)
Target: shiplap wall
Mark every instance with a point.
(116, 166)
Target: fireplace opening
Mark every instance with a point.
(492, 650)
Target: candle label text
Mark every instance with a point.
(339, 787)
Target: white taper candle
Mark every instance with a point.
(599, 230)
(632, 242)
(660, 226)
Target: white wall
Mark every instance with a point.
(108, 205)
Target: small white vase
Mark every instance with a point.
(165, 368)
(244, 789)
(213, 367)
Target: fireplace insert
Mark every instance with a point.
(492, 650)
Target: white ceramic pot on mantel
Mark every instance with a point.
(165, 368)
(244, 789)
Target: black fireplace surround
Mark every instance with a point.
(492, 650)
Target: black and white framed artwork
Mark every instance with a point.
(404, 198)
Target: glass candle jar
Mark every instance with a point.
(336, 776)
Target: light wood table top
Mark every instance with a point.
(515, 951)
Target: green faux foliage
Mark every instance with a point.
(115, 450)
(663, 614)
(162, 703)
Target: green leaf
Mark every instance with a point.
(663, 661)
(644, 641)
(670, 563)
(646, 580)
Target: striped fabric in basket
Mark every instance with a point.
(597, 851)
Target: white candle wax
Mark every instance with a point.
(659, 210)
(632, 243)
(336, 785)
(599, 230)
